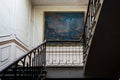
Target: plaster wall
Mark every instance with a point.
(15, 16)
(9, 53)
(6, 17)
(22, 20)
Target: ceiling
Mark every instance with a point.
(59, 2)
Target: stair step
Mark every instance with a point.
(27, 74)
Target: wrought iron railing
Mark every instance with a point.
(61, 53)
(28, 67)
(64, 53)
(93, 7)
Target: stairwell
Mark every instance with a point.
(37, 63)
(103, 56)
(30, 66)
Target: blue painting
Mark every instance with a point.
(65, 26)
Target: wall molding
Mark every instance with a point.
(19, 51)
(10, 51)
(16, 42)
(20, 41)
(5, 51)
(5, 36)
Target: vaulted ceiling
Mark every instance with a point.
(59, 2)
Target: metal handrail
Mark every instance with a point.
(28, 60)
(93, 7)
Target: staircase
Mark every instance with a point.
(100, 51)
(25, 73)
(31, 66)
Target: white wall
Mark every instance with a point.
(15, 17)
(38, 28)
(9, 53)
(22, 20)
(6, 17)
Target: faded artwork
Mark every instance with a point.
(63, 26)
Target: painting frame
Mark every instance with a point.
(83, 12)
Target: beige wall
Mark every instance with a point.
(38, 29)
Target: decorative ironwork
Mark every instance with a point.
(93, 7)
(64, 53)
(28, 67)
(32, 65)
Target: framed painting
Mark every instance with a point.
(63, 26)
